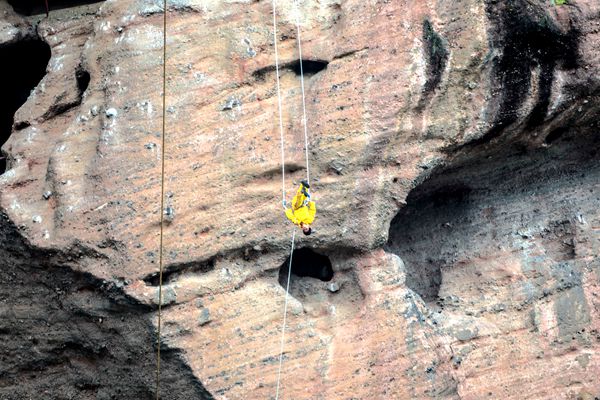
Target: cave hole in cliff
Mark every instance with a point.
(309, 67)
(492, 205)
(35, 7)
(23, 66)
(306, 263)
(426, 206)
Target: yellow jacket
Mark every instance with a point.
(300, 213)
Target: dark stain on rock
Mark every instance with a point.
(437, 53)
(525, 38)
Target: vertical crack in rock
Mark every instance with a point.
(34, 7)
(306, 263)
(27, 66)
(525, 39)
(489, 211)
(67, 334)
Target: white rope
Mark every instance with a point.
(279, 102)
(287, 289)
(304, 120)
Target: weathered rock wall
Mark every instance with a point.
(453, 151)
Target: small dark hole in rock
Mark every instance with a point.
(309, 67)
(83, 80)
(21, 125)
(306, 262)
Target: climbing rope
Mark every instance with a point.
(304, 120)
(279, 103)
(287, 290)
(162, 195)
(305, 125)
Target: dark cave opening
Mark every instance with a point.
(480, 207)
(306, 263)
(35, 7)
(427, 206)
(26, 67)
(309, 67)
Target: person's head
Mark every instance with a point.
(306, 230)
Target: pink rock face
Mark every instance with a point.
(453, 159)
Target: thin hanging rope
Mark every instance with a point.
(279, 102)
(162, 195)
(287, 290)
(304, 120)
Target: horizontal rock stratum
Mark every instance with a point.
(454, 160)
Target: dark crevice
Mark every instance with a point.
(23, 66)
(171, 272)
(349, 53)
(306, 263)
(35, 7)
(310, 68)
(556, 134)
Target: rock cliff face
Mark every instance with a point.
(453, 149)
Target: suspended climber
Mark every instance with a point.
(303, 208)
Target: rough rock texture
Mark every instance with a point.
(454, 161)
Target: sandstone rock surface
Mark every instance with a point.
(453, 153)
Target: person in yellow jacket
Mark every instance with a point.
(303, 209)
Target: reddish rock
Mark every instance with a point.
(452, 150)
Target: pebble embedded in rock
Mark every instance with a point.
(333, 287)
(37, 219)
(47, 194)
(204, 317)
(111, 112)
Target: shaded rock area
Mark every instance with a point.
(33, 7)
(66, 334)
